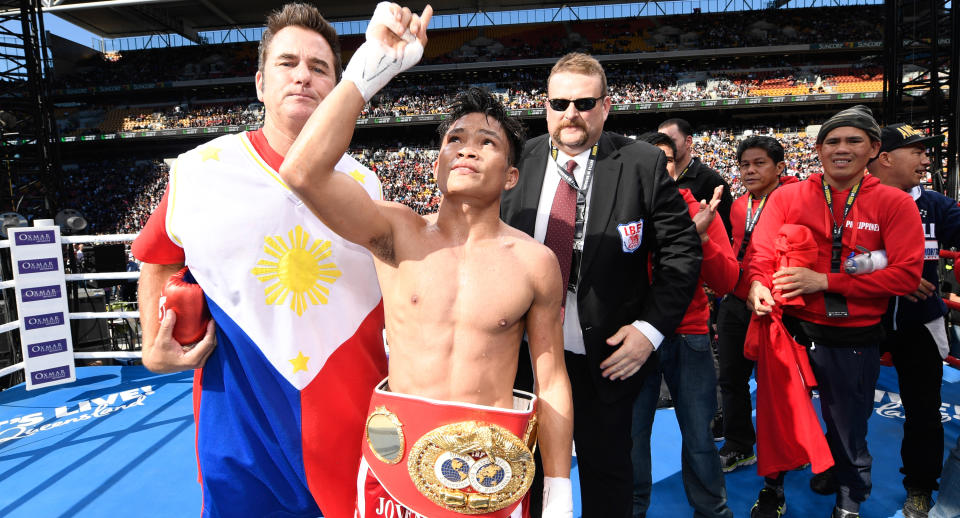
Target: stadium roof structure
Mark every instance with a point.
(122, 18)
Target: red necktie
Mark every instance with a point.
(559, 237)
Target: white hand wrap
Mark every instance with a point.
(374, 64)
(557, 497)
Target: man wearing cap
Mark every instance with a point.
(838, 321)
(916, 334)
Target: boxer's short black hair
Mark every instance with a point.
(480, 100)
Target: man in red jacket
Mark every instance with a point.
(847, 212)
(761, 162)
(686, 363)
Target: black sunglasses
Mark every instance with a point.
(582, 105)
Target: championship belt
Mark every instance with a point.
(444, 459)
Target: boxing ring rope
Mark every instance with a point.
(82, 315)
(946, 254)
(89, 315)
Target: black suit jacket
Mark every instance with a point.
(701, 179)
(630, 184)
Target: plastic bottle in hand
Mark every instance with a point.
(866, 262)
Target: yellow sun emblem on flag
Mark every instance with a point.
(299, 272)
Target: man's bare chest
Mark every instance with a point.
(447, 285)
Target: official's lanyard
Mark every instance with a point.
(685, 169)
(835, 304)
(581, 214)
(836, 254)
(751, 222)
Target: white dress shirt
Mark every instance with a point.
(572, 333)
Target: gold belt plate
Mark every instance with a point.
(471, 467)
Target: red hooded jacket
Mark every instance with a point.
(718, 270)
(738, 220)
(882, 218)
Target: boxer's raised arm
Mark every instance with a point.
(337, 199)
(308, 168)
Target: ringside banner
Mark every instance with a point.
(42, 306)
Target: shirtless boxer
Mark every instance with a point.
(460, 288)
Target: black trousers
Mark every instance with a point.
(920, 373)
(601, 433)
(733, 319)
(846, 379)
(602, 438)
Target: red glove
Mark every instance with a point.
(184, 296)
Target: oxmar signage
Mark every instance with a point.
(42, 306)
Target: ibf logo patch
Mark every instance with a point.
(631, 235)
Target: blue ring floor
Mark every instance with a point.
(120, 442)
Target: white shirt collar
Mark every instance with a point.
(581, 160)
(916, 192)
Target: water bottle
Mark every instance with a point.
(866, 262)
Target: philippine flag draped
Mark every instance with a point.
(280, 405)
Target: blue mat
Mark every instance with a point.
(122, 446)
(120, 442)
(885, 432)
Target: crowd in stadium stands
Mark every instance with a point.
(828, 25)
(718, 149)
(197, 117)
(115, 195)
(118, 195)
(665, 33)
(635, 84)
(158, 65)
(406, 176)
(521, 91)
(784, 27)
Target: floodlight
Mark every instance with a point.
(70, 220)
(11, 220)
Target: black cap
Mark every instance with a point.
(899, 135)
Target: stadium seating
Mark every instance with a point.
(118, 195)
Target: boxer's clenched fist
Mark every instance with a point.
(395, 39)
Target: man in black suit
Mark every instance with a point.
(604, 203)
